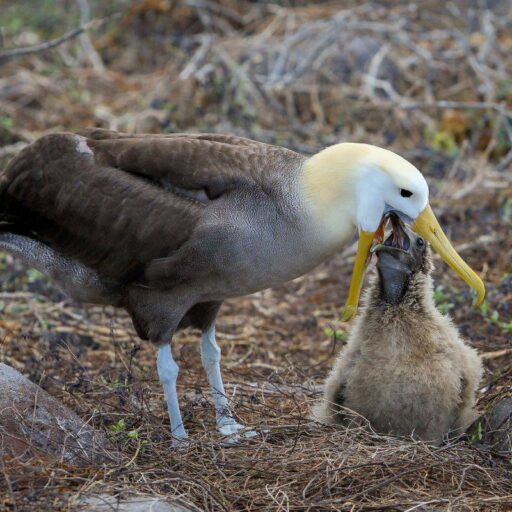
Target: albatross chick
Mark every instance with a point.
(405, 368)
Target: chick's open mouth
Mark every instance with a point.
(397, 239)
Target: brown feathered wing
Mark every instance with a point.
(116, 202)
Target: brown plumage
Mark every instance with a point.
(405, 368)
(140, 211)
(116, 222)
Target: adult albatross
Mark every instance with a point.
(168, 227)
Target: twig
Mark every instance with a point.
(496, 353)
(222, 10)
(47, 45)
(441, 104)
(85, 40)
(372, 77)
(456, 105)
(507, 160)
(479, 242)
(9, 485)
(198, 57)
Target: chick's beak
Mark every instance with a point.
(428, 227)
(362, 257)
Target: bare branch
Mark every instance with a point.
(198, 57)
(442, 104)
(47, 45)
(496, 353)
(85, 40)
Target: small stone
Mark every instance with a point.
(33, 423)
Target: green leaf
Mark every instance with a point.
(439, 295)
(6, 122)
(495, 317)
(485, 308)
(339, 334)
(507, 210)
(478, 435)
(445, 307)
(118, 427)
(34, 275)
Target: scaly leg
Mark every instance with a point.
(168, 373)
(210, 357)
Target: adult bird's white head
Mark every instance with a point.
(352, 185)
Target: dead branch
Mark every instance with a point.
(496, 353)
(198, 57)
(47, 45)
(85, 40)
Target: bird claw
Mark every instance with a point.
(235, 431)
(180, 443)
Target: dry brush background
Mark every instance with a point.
(431, 80)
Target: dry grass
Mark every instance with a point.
(432, 83)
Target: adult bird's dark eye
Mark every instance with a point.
(405, 193)
(420, 242)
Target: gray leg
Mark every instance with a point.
(168, 373)
(210, 357)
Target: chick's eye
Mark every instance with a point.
(405, 193)
(420, 242)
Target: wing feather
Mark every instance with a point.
(113, 222)
(116, 202)
(214, 163)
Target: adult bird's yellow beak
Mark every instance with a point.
(363, 250)
(428, 227)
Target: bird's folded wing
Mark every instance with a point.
(116, 202)
(212, 163)
(111, 221)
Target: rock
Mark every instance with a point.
(33, 423)
(106, 503)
